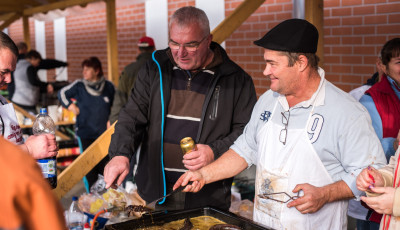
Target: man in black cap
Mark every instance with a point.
(308, 138)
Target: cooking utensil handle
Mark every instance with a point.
(180, 189)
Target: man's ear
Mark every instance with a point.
(302, 63)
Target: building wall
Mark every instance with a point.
(354, 32)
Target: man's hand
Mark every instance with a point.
(195, 160)
(368, 178)
(50, 89)
(195, 176)
(41, 146)
(116, 170)
(313, 200)
(75, 109)
(382, 204)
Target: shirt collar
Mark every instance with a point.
(318, 98)
(393, 83)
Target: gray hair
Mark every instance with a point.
(7, 43)
(188, 15)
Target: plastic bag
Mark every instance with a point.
(101, 198)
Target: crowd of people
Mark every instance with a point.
(315, 147)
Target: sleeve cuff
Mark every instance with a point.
(244, 156)
(351, 182)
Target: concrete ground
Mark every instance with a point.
(77, 190)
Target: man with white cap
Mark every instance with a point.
(308, 138)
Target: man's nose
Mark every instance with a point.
(182, 51)
(267, 70)
(7, 78)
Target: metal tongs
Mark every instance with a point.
(270, 196)
(152, 204)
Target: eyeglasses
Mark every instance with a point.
(190, 47)
(270, 196)
(285, 122)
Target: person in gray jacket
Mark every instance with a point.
(191, 89)
(28, 86)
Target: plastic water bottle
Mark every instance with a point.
(76, 218)
(44, 125)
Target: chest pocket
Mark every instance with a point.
(214, 101)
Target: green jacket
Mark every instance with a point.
(125, 85)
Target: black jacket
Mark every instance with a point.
(227, 109)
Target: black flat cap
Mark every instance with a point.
(293, 35)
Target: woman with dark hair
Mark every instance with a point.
(93, 97)
(382, 101)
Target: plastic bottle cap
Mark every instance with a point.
(74, 198)
(43, 110)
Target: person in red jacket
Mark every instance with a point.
(382, 101)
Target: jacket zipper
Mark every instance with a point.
(214, 112)
(188, 85)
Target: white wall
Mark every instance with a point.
(60, 47)
(156, 15)
(215, 10)
(40, 44)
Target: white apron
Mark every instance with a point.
(280, 168)
(9, 127)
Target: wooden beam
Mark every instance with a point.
(10, 8)
(314, 13)
(12, 18)
(27, 38)
(54, 6)
(4, 17)
(234, 20)
(112, 42)
(27, 2)
(84, 163)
